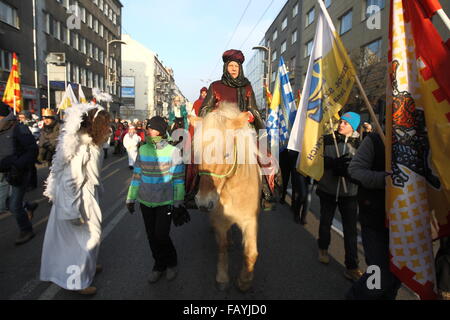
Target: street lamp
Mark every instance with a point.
(269, 68)
(108, 81)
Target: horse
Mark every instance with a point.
(229, 187)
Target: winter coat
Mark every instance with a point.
(48, 141)
(368, 168)
(18, 153)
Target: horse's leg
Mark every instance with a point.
(249, 238)
(222, 277)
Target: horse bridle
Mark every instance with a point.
(228, 174)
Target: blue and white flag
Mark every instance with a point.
(283, 108)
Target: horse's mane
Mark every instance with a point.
(217, 119)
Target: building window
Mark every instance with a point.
(284, 24)
(76, 74)
(83, 14)
(345, 22)
(371, 53)
(274, 56)
(308, 48)
(9, 15)
(63, 34)
(327, 3)
(5, 60)
(48, 23)
(295, 10)
(292, 65)
(310, 16)
(90, 21)
(275, 35)
(294, 37)
(283, 47)
(379, 4)
(83, 45)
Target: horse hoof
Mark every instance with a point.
(222, 286)
(244, 286)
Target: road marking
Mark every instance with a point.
(111, 174)
(31, 285)
(112, 163)
(53, 290)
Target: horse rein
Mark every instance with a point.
(228, 174)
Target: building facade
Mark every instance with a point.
(256, 73)
(284, 39)
(148, 87)
(81, 31)
(86, 31)
(16, 35)
(363, 27)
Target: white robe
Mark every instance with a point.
(70, 251)
(131, 142)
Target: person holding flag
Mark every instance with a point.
(324, 158)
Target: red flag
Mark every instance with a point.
(430, 7)
(418, 142)
(13, 93)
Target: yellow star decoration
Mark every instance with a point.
(408, 227)
(416, 263)
(410, 239)
(404, 215)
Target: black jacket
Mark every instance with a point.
(368, 168)
(19, 152)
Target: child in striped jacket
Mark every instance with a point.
(158, 185)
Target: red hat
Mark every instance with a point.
(204, 89)
(233, 55)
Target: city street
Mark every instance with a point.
(287, 268)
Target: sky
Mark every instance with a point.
(190, 36)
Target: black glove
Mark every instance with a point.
(340, 166)
(130, 207)
(180, 216)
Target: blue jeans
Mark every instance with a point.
(16, 207)
(4, 192)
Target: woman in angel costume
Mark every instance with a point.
(72, 238)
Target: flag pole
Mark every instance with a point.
(344, 184)
(445, 19)
(15, 112)
(366, 100)
(369, 107)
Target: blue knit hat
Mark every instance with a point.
(353, 119)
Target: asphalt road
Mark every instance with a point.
(287, 268)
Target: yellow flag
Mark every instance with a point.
(328, 84)
(68, 99)
(13, 93)
(81, 96)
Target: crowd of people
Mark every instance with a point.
(353, 182)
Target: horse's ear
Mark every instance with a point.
(194, 121)
(239, 122)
